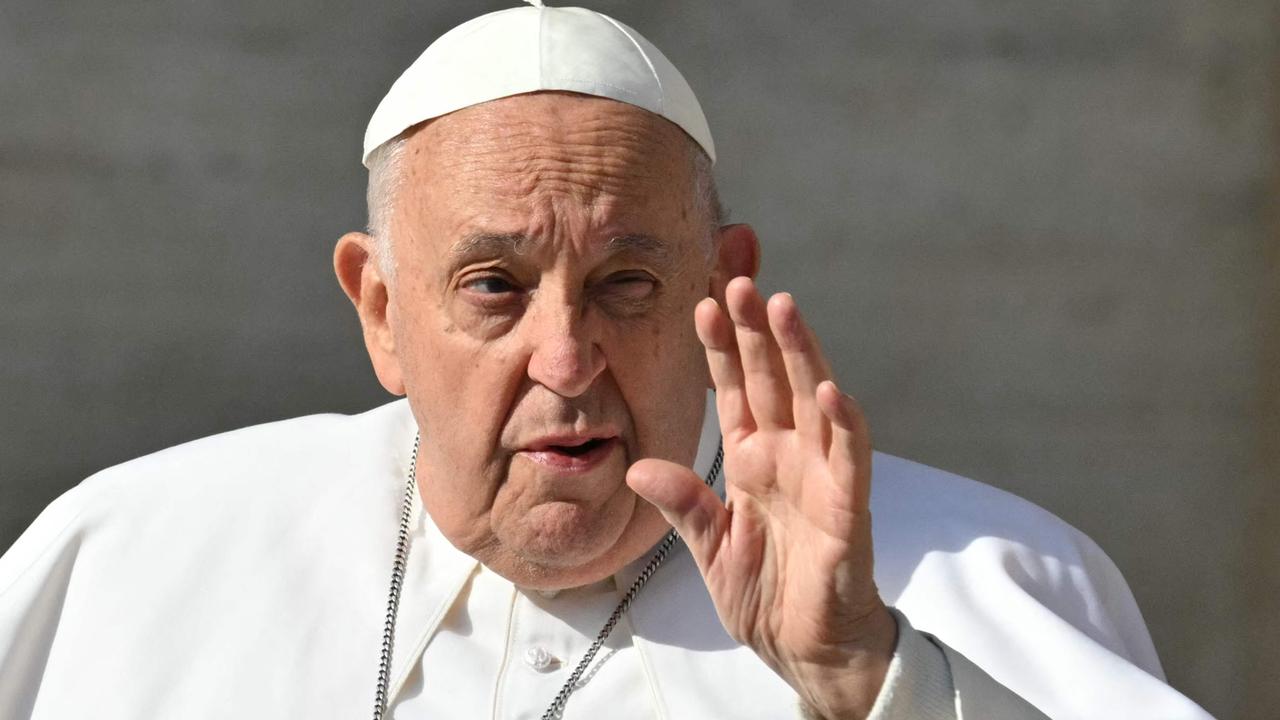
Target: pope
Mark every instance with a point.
(549, 279)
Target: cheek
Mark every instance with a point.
(459, 390)
(461, 401)
(661, 373)
(457, 503)
(459, 383)
(663, 336)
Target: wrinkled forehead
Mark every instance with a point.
(552, 144)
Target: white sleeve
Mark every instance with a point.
(929, 681)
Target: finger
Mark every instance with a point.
(805, 365)
(765, 377)
(715, 330)
(691, 507)
(850, 453)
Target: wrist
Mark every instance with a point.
(846, 683)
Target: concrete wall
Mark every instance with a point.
(1040, 238)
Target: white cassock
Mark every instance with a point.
(245, 576)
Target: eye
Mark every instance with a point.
(491, 292)
(629, 285)
(489, 285)
(632, 281)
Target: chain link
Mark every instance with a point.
(397, 582)
(664, 548)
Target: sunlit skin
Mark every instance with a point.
(517, 313)
(559, 307)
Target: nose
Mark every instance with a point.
(565, 357)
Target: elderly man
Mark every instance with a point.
(548, 279)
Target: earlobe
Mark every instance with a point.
(362, 282)
(738, 255)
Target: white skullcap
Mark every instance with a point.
(526, 49)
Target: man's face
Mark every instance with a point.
(549, 255)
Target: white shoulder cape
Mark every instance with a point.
(245, 575)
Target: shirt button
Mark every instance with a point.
(539, 659)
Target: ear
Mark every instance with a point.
(738, 254)
(361, 279)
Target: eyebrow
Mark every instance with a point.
(479, 245)
(487, 244)
(645, 246)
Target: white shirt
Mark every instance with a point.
(504, 652)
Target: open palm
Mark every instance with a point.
(787, 558)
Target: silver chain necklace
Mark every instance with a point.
(556, 710)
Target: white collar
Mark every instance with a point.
(674, 624)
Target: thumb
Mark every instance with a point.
(692, 508)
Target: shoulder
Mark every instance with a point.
(958, 509)
(230, 547)
(311, 454)
(257, 490)
(305, 440)
(955, 552)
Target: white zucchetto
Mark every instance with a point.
(531, 48)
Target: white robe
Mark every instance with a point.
(245, 575)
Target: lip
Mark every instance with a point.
(548, 451)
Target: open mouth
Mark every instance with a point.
(572, 457)
(578, 450)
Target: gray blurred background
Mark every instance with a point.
(1040, 238)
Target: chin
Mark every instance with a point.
(566, 535)
(562, 544)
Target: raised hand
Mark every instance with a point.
(787, 558)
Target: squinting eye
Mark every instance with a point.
(489, 285)
(634, 285)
